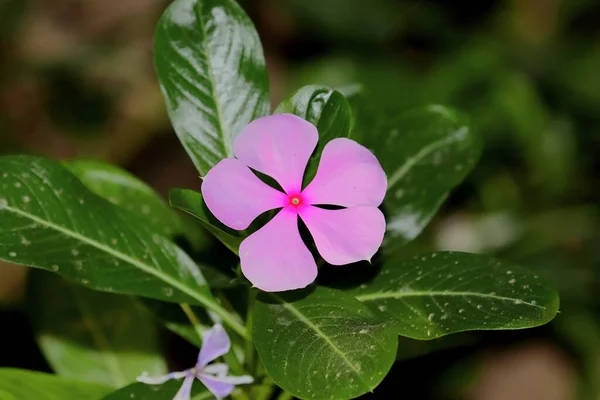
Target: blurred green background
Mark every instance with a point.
(77, 80)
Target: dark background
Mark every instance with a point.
(77, 80)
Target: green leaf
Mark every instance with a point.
(322, 344)
(425, 152)
(168, 390)
(49, 220)
(192, 203)
(212, 74)
(174, 318)
(325, 108)
(18, 384)
(441, 293)
(92, 336)
(125, 190)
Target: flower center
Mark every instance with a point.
(295, 200)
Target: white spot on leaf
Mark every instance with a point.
(406, 224)
(182, 12)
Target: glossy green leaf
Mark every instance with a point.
(92, 336)
(50, 220)
(18, 384)
(322, 344)
(166, 391)
(325, 108)
(212, 73)
(192, 203)
(426, 153)
(429, 296)
(125, 190)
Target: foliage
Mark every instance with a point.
(101, 228)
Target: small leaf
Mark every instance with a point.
(49, 220)
(325, 108)
(192, 203)
(168, 390)
(18, 384)
(212, 73)
(92, 336)
(441, 293)
(322, 344)
(425, 153)
(125, 190)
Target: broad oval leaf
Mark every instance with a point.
(49, 220)
(125, 190)
(192, 203)
(322, 344)
(425, 153)
(211, 69)
(433, 295)
(168, 390)
(18, 384)
(92, 336)
(325, 108)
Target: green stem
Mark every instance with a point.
(229, 319)
(189, 313)
(250, 353)
(285, 396)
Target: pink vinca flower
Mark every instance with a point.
(275, 258)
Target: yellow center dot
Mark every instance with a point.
(295, 201)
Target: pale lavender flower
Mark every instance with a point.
(215, 343)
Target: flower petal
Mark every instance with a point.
(222, 386)
(218, 369)
(236, 196)
(185, 392)
(159, 380)
(232, 380)
(349, 175)
(279, 146)
(216, 387)
(215, 343)
(345, 236)
(275, 258)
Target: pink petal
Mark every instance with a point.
(275, 258)
(279, 146)
(215, 343)
(349, 175)
(236, 196)
(347, 235)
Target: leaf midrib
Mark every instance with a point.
(321, 334)
(397, 295)
(212, 81)
(401, 172)
(148, 269)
